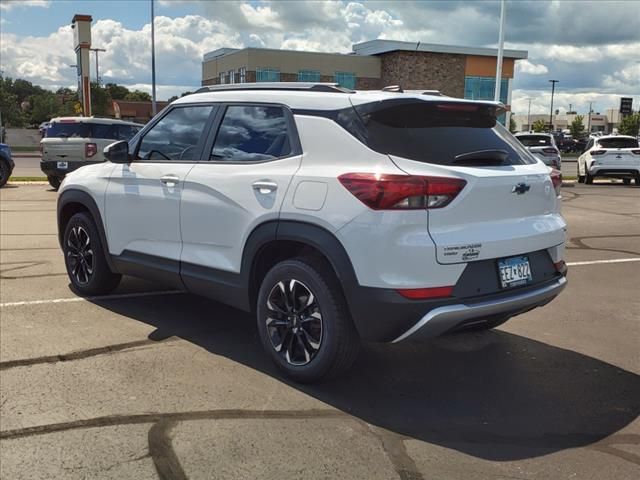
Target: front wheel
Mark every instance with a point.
(303, 321)
(84, 257)
(54, 182)
(580, 177)
(5, 171)
(626, 181)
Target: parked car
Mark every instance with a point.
(72, 142)
(43, 128)
(614, 156)
(335, 216)
(542, 146)
(6, 164)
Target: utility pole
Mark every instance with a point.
(153, 62)
(503, 15)
(529, 115)
(553, 88)
(97, 50)
(589, 121)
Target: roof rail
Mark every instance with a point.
(291, 86)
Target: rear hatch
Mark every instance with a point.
(65, 141)
(620, 152)
(541, 147)
(508, 206)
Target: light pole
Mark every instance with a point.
(529, 115)
(503, 15)
(153, 62)
(589, 120)
(553, 88)
(97, 69)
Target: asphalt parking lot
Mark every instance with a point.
(148, 383)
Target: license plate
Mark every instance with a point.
(63, 165)
(514, 272)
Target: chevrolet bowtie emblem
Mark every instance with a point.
(521, 188)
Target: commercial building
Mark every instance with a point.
(604, 123)
(457, 71)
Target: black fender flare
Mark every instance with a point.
(83, 198)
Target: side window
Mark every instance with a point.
(101, 130)
(252, 133)
(176, 135)
(589, 145)
(126, 132)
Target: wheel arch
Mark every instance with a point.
(71, 202)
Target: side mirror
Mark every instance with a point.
(117, 152)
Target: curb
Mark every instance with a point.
(35, 153)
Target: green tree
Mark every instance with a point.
(577, 127)
(10, 107)
(539, 126)
(44, 106)
(116, 92)
(138, 96)
(100, 100)
(513, 128)
(630, 125)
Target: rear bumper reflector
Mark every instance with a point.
(424, 293)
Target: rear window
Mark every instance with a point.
(92, 130)
(534, 140)
(618, 143)
(443, 133)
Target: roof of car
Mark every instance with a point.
(316, 100)
(107, 121)
(539, 134)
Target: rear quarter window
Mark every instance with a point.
(68, 130)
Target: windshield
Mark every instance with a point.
(534, 140)
(439, 132)
(618, 143)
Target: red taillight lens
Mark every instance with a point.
(556, 179)
(401, 192)
(598, 152)
(90, 149)
(561, 267)
(635, 152)
(424, 293)
(550, 152)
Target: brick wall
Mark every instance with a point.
(418, 70)
(366, 83)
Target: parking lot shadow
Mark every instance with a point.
(494, 395)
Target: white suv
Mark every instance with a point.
(613, 156)
(334, 215)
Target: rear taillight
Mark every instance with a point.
(556, 179)
(402, 192)
(561, 267)
(424, 293)
(635, 152)
(550, 152)
(90, 149)
(598, 152)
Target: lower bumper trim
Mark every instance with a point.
(443, 319)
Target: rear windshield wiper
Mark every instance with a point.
(482, 157)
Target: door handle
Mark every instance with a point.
(265, 187)
(170, 180)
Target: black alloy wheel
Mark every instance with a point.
(294, 322)
(80, 255)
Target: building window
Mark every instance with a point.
(267, 75)
(346, 79)
(242, 74)
(232, 76)
(308, 76)
(221, 78)
(483, 88)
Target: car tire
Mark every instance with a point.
(637, 181)
(588, 178)
(84, 258)
(580, 177)
(310, 342)
(54, 182)
(5, 172)
(626, 181)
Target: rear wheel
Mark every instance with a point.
(84, 257)
(54, 181)
(626, 181)
(589, 178)
(638, 180)
(304, 322)
(580, 177)
(5, 171)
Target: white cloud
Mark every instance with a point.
(7, 5)
(525, 66)
(627, 79)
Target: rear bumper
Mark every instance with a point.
(622, 171)
(50, 167)
(451, 317)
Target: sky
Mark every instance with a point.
(591, 47)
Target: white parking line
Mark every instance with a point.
(82, 299)
(597, 262)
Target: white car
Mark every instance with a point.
(336, 216)
(542, 146)
(613, 156)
